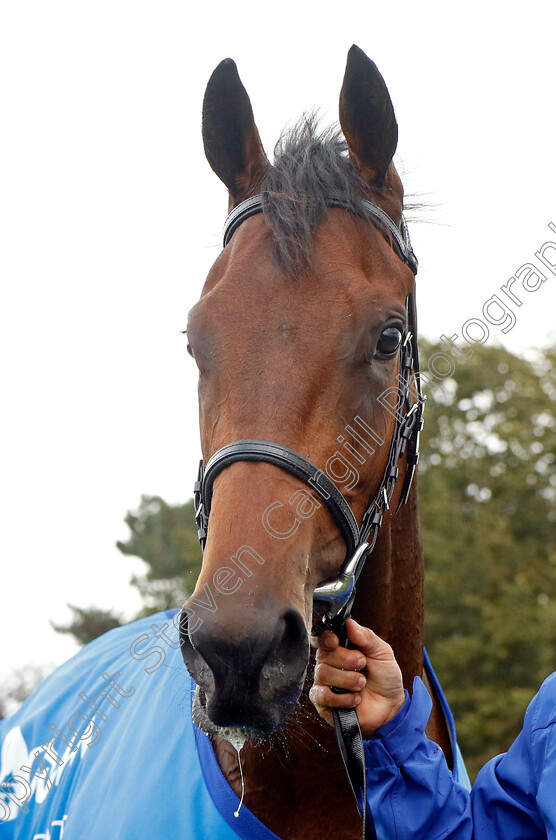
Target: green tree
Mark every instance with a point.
(163, 536)
(88, 623)
(487, 490)
(19, 684)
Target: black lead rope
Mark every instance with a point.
(339, 594)
(350, 744)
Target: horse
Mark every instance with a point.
(310, 405)
(298, 332)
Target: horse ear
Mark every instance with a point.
(367, 117)
(231, 139)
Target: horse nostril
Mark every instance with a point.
(293, 638)
(288, 661)
(195, 663)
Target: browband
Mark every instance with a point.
(401, 241)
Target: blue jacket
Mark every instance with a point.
(106, 748)
(413, 794)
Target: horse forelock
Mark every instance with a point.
(311, 166)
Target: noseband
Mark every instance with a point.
(338, 594)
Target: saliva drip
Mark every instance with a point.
(238, 741)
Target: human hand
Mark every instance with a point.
(376, 695)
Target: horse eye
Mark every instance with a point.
(389, 342)
(189, 350)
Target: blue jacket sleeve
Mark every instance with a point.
(410, 790)
(514, 795)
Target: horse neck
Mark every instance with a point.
(390, 599)
(390, 590)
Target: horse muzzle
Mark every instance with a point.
(250, 676)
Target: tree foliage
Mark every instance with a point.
(88, 623)
(19, 684)
(165, 538)
(487, 491)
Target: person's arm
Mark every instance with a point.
(411, 792)
(514, 795)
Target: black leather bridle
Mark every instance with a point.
(338, 594)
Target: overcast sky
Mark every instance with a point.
(110, 218)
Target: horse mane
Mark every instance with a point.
(311, 166)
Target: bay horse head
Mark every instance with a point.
(300, 338)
